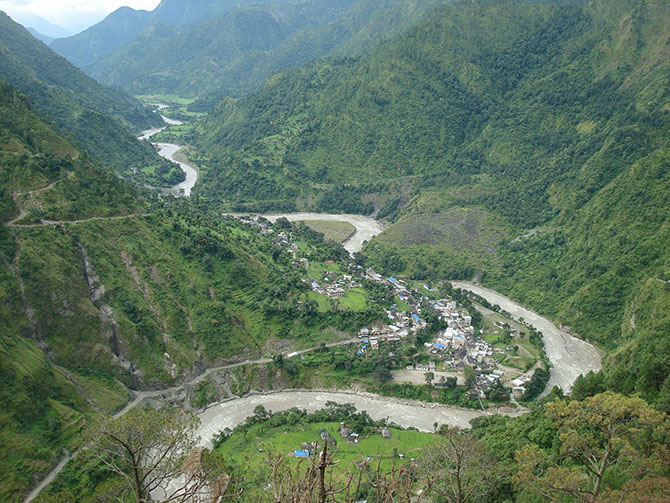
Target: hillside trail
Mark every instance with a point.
(80, 221)
(139, 397)
(23, 213)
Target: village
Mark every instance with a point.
(481, 358)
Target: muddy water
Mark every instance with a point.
(404, 413)
(366, 227)
(569, 355)
(168, 151)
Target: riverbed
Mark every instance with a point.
(404, 413)
(168, 151)
(366, 227)
(569, 355)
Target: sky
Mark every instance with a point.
(73, 15)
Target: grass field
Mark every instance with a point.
(248, 452)
(334, 231)
(317, 270)
(354, 300)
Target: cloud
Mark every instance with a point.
(74, 15)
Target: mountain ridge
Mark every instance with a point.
(104, 121)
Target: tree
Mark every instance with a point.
(597, 434)
(312, 480)
(458, 467)
(470, 375)
(429, 376)
(154, 452)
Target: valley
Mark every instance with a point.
(169, 151)
(337, 251)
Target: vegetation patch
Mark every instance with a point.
(334, 231)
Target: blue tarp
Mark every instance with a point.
(440, 346)
(391, 278)
(301, 454)
(416, 318)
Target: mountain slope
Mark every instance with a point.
(487, 121)
(101, 119)
(39, 36)
(102, 293)
(122, 25)
(236, 52)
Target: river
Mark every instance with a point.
(405, 413)
(366, 227)
(569, 355)
(168, 151)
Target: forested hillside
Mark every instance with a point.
(102, 292)
(234, 53)
(101, 120)
(487, 121)
(122, 25)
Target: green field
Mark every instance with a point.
(333, 231)
(247, 452)
(317, 270)
(354, 300)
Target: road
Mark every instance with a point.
(569, 355)
(143, 395)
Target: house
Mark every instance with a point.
(385, 432)
(337, 293)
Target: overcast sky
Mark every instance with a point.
(74, 15)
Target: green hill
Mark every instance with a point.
(234, 53)
(122, 25)
(102, 120)
(486, 121)
(102, 292)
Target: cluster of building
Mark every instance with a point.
(399, 286)
(334, 287)
(348, 435)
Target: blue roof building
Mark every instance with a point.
(301, 454)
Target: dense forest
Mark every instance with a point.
(235, 52)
